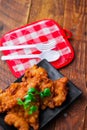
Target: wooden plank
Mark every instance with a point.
(13, 14)
(71, 15)
(47, 9)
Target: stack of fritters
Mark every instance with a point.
(37, 78)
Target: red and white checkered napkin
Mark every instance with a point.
(38, 32)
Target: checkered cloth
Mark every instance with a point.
(39, 32)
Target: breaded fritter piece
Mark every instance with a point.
(17, 121)
(60, 91)
(34, 77)
(21, 119)
(34, 71)
(58, 96)
(8, 98)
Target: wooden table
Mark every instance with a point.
(70, 14)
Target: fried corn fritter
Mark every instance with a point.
(58, 96)
(8, 98)
(21, 119)
(34, 77)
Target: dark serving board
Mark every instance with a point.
(48, 114)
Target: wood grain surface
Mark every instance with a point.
(70, 14)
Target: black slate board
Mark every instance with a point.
(48, 114)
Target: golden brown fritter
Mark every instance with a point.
(58, 96)
(8, 98)
(17, 121)
(34, 77)
(60, 91)
(21, 119)
(34, 71)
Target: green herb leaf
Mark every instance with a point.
(30, 97)
(32, 109)
(33, 98)
(30, 112)
(27, 102)
(47, 92)
(32, 90)
(41, 94)
(26, 106)
(20, 102)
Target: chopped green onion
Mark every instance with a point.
(41, 95)
(20, 102)
(32, 90)
(32, 109)
(31, 97)
(47, 92)
(26, 106)
(27, 102)
(30, 112)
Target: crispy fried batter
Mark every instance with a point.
(17, 121)
(35, 77)
(34, 71)
(21, 119)
(58, 96)
(8, 99)
(32, 78)
(60, 91)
